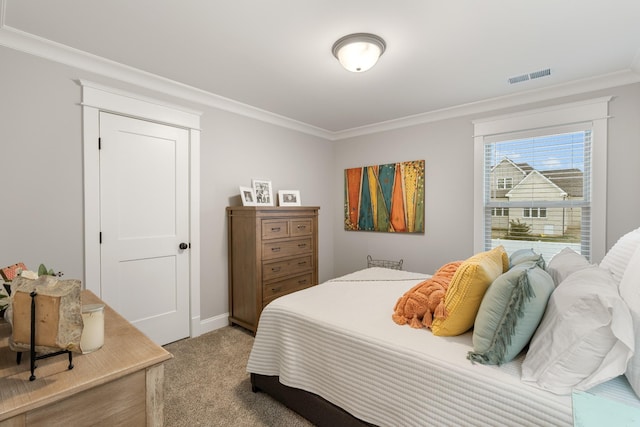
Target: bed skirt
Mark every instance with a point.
(311, 406)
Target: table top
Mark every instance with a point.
(125, 350)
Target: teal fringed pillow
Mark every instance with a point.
(525, 255)
(509, 313)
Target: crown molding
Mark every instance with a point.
(576, 87)
(47, 49)
(56, 52)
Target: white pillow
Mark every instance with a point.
(564, 263)
(617, 259)
(630, 292)
(585, 337)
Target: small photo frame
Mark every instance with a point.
(248, 196)
(263, 192)
(289, 198)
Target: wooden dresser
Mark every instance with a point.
(117, 385)
(273, 251)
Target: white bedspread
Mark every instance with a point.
(337, 340)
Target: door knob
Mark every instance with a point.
(183, 246)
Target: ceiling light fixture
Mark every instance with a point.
(358, 52)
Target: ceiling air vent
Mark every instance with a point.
(530, 76)
(541, 73)
(518, 79)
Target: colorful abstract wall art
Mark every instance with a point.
(388, 198)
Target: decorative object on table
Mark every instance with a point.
(54, 306)
(8, 274)
(93, 331)
(289, 198)
(44, 271)
(248, 196)
(264, 192)
(11, 272)
(387, 198)
(4, 299)
(385, 263)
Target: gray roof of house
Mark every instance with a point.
(569, 180)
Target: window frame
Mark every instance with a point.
(592, 111)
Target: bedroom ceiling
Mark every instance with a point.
(275, 55)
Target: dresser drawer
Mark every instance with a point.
(271, 250)
(301, 227)
(286, 268)
(273, 290)
(275, 228)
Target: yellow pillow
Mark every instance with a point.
(465, 292)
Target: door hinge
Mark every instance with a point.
(99, 143)
(101, 237)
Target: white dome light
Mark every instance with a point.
(358, 52)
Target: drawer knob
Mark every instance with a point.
(302, 263)
(277, 289)
(275, 229)
(302, 282)
(274, 269)
(275, 249)
(302, 245)
(302, 227)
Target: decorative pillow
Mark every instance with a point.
(617, 258)
(630, 293)
(417, 305)
(564, 263)
(510, 313)
(585, 337)
(465, 292)
(526, 255)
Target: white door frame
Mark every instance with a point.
(96, 98)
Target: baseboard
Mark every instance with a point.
(213, 323)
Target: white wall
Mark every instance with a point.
(447, 148)
(41, 215)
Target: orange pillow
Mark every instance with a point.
(464, 295)
(417, 306)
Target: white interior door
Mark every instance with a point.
(144, 218)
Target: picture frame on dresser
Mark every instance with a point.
(248, 196)
(263, 192)
(289, 198)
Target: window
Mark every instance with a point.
(541, 180)
(505, 183)
(500, 211)
(534, 212)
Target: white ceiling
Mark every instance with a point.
(275, 55)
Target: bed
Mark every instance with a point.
(332, 353)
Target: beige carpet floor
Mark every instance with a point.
(206, 384)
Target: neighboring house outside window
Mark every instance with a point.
(541, 180)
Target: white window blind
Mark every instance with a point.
(548, 202)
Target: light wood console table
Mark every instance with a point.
(120, 384)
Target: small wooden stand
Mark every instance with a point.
(32, 351)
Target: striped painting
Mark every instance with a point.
(388, 198)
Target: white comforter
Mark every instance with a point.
(338, 340)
